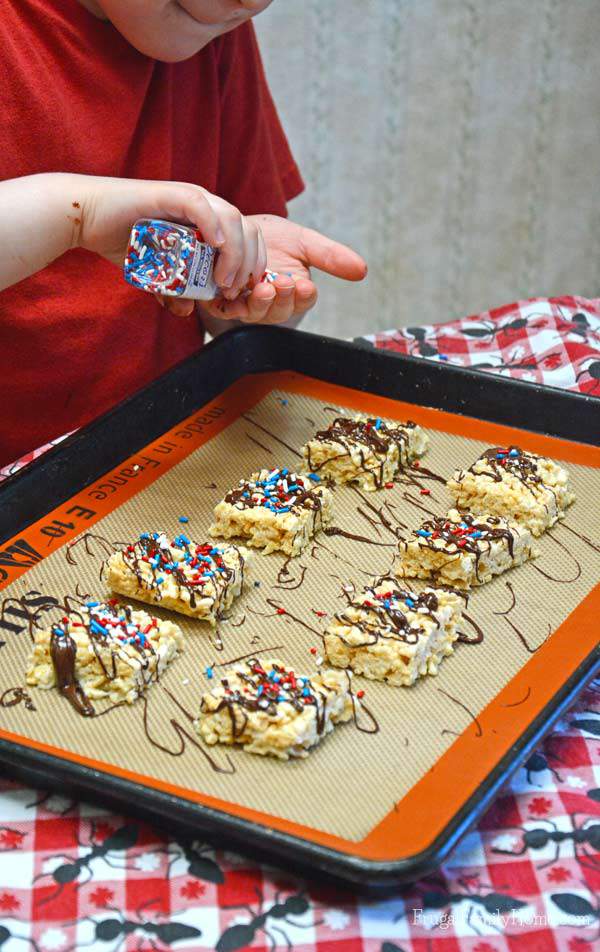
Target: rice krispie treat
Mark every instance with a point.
(274, 510)
(197, 579)
(269, 710)
(390, 634)
(102, 650)
(507, 481)
(365, 450)
(462, 549)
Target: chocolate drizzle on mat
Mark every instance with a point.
(372, 436)
(190, 565)
(264, 690)
(335, 531)
(182, 736)
(470, 534)
(17, 695)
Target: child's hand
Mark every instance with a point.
(291, 251)
(108, 207)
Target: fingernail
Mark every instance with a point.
(228, 280)
(285, 292)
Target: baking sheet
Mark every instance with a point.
(367, 773)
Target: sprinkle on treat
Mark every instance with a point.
(462, 549)
(515, 461)
(389, 633)
(263, 690)
(507, 481)
(278, 490)
(271, 710)
(197, 579)
(275, 509)
(102, 650)
(365, 450)
(106, 622)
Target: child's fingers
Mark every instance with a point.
(282, 306)
(306, 296)
(250, 261)
(259, 303)
(331, 256)
(191, 203)
(233, 248)
(182, 307)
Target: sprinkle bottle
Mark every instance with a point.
(167, 258)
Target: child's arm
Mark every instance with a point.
(291, 251)
(43, 216)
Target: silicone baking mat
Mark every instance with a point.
(381, 787)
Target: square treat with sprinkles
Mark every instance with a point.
(390, 634)
(523, 487)
(274, 510)
(463, 550)
(102, 650)
(197, 579)
(365, 450)
(270, 710)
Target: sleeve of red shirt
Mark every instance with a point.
(257, 171)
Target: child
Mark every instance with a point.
(171, 93)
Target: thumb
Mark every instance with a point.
(331, 256)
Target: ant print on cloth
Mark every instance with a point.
(555, 342)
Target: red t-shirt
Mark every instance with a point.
(76, 97)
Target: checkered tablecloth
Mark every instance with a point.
(73, 876)
(553, 341)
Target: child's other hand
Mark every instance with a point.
(106, 208)
(291, 250)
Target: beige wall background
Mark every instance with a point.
(455, 143)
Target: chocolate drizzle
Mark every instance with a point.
(108, 631)
(263, 690)
(63, 652)
(515, 461)
(470, 534)
(264, 429)
(523, 639)
(420, 470)
(514, 600)
(334, 530)
(258, 443)
(463, 639)
(552, 578)
(459, 703)
(87, 540)
(373, 439)
(17, 695)
(182, 736)
(385, 613)
(280, 491)
(286, 580)
(194, 568)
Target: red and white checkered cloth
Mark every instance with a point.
(73, 876)
(553, 341)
